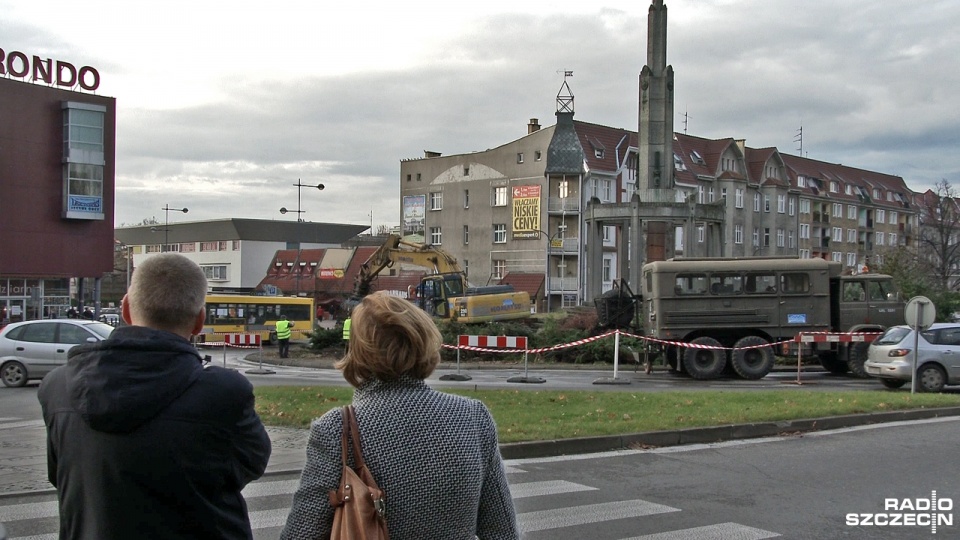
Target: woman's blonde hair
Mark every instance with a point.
(390, 337)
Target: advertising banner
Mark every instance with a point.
(413, 217)
(526, 212)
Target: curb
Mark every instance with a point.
(586, 445)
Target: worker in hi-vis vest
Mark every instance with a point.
(283, 336)
(346, 335)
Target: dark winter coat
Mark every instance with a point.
(144, 442)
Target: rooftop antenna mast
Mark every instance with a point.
(686, 120)
(799, 139)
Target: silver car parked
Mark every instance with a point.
(31, 349)
(890, 357)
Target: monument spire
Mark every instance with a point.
(655, 131)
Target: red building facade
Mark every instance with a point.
(57, 179)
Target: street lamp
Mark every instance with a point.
(546, 269)
(166, 224)
(298, 185)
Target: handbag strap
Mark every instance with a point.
(352, 431)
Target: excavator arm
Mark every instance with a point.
(394, 251)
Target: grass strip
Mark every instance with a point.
(526, 415)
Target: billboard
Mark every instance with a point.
(526, 212)
(414, 207)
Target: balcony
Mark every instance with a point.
(563, 204)
(564, 246)
(821, 217)
(562, 285)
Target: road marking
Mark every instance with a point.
(25, 423)
(550, 487)
(720, 531)
(589, 513)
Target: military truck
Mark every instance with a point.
(713, 315)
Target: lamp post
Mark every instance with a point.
(298, 185)
(166, 224)
(546, 265)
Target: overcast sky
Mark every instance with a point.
(223, 106)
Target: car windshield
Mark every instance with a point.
(101, 329)
(893, 335)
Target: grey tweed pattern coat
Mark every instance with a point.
(434, 454)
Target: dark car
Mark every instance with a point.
(31, 349)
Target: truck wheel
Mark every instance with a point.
(831, 362)
(856, 358)
(704, 364)
(752, 357)
(931, 378)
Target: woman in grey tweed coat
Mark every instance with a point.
(435, 455)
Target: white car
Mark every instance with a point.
(890, 357)
(31, 349)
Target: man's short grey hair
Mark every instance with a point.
(167, 291)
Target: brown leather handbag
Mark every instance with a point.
(358, 503)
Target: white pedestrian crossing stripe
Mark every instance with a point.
(540, 520)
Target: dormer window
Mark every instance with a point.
(801, 181)
(598, 152)
(697, 158)
(834, 186)
(678, 163)
(876, 193)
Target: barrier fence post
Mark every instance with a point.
(616, 362)
(456, 376)
(799, 351)
(224, 351)
(260, 370)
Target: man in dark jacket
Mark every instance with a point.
(142, 440)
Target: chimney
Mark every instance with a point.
(430, 154)
(742, 145)
(534, 125)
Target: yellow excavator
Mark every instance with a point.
(444, 293)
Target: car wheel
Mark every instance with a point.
(857, 356)
(706, 363)
(931, 378)
(13, 374)
(752, 357)
(893, 384)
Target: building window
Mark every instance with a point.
(409, 177)
(700, 198)
(217, 272)
(738, 198)
(189, 247)
(208, 246)
(738, 234)
(834, 186)
(466, 170)
(537, 155)
(606, 270)
(723, 194)
(851, 236)
(804, 231)
(781, 204)
(236, 245)
(836, 256)
(766, 203)
(499, 268)
(766, 237)
(880, 238)
(466, 234)
(418, 177)
(837, 234)
(153, 248)
(756, 202)
(436, 200)
(466, 198)
(499, 233)
(435, 236)
(893, 239)
(466, 268)
(893, 218)
(804, 253)
(700, 233)
(791, 241)
(519, 157)
(804, 206)
(851, 259)
(876, 193)
(851, 211)
(791, 205)
(500, 196)
(83, 160)
(780, 238)
(881, 216)
(837, 210)
(756, 237)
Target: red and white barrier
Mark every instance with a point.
(242, 339)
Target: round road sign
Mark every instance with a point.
(920, 313)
